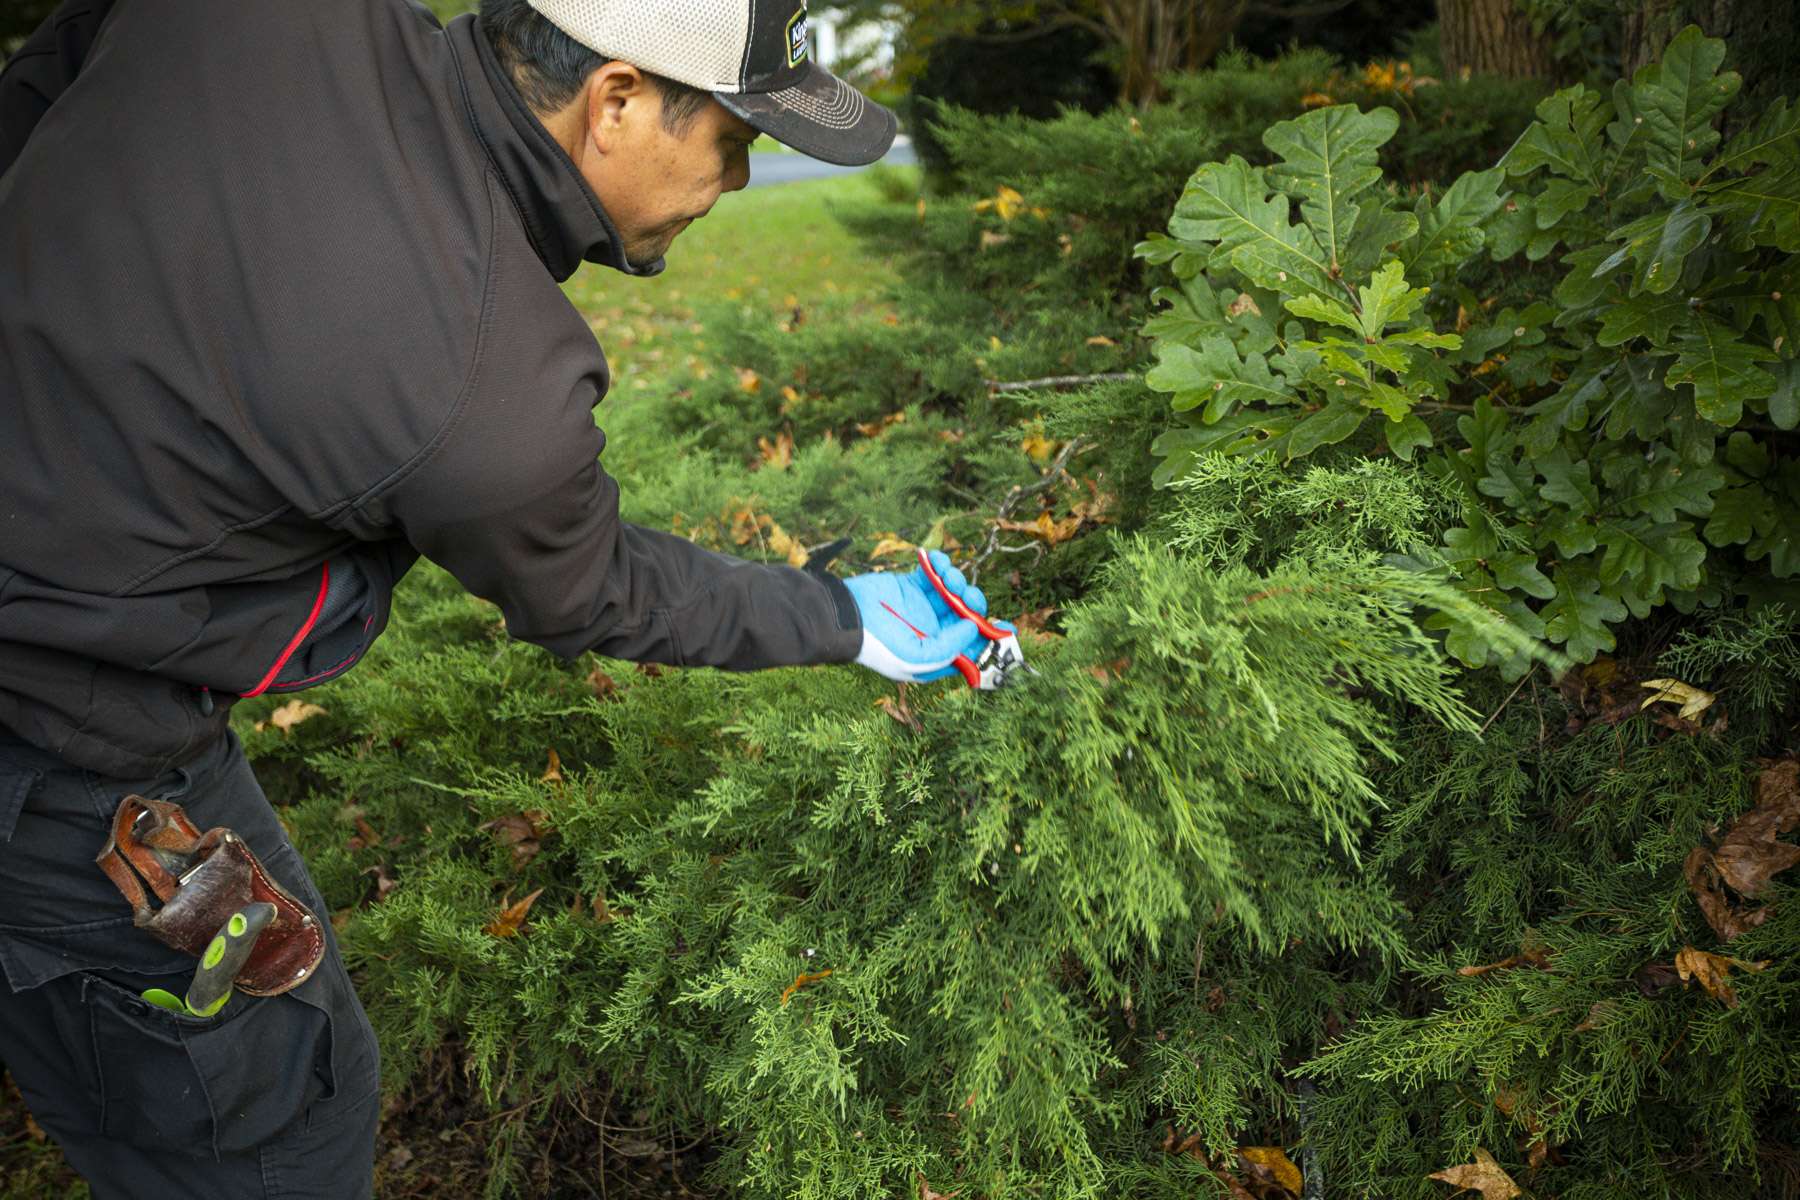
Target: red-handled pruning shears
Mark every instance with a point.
(999, 659)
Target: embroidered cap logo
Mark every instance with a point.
(797, 45)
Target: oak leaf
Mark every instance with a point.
(1484, 1175)
(509, 921)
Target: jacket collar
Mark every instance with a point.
(562, 216)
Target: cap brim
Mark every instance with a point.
(821, 116)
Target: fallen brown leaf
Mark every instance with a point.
(1484, 1175)
(891, 543)
(925, 1191)
(602, 684)
(877, 428)
(749, 380)
(552, 769)
(383, 882)
(1750, 853)
(509, 921)
(1107, 672)
(900, 710)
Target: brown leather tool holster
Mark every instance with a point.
(199, 880)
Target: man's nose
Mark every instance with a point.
(738, 177)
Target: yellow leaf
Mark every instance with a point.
(749, 380)
(1007, 202)
(1100, 339)
(990, 239)
(1047, 527)
(1710, 971)
(787, 547)
(553, 771)
(891, 543)
(1040, 448)
(778, 454)
(507, 924)
(1275, 1161)
(1315, 100)
(1693, 701)
(790, 301)
(291, 714)
(1484, 1175)
(921, 208)
(993, 342)
(789, 393)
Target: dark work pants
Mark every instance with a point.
(275, 1096)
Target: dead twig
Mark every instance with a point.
(1520, 686)
(1058, 382)
(1056, 471)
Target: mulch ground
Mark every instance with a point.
(433, 1145)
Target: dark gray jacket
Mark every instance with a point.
(279, 310)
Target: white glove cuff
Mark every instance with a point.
(876, 656)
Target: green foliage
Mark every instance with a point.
(1618, 449)
(1218, 870)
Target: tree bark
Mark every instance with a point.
(1491, 37)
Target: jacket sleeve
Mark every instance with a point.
(514, 503)
(43, 68)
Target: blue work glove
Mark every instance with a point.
(909, 632)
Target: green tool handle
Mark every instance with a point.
(225, 956)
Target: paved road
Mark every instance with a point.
(766, 168)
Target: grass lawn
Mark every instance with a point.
(757, 256)
(768, 248)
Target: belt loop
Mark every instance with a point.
(187, 781)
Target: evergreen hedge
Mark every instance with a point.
(1254, 891)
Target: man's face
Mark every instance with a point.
(654, 183)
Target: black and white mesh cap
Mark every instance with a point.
(753, 55)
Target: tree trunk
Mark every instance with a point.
(1158, 36)
(1490, 37)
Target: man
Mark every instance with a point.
(279, 312)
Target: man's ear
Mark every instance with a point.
(619, 100)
